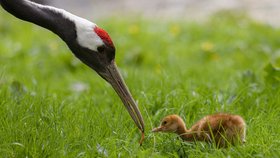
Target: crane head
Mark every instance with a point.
(98, 52)
(170, 123)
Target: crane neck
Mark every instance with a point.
(186, 134)
(47, 17)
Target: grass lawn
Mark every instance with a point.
(51, 105)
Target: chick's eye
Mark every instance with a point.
(100, 49)
(164, 122)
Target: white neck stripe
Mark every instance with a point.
(86, 36)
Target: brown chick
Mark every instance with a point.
(221, 129)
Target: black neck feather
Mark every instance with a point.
(42, 16)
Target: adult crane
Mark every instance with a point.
(88, 42)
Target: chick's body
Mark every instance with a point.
(221, 129)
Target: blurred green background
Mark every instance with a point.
(51, 105)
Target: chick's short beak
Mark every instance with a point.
(157, 129)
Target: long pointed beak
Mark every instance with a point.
(113, 76)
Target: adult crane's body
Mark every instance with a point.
(91, 44)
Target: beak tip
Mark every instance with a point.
(142, 138)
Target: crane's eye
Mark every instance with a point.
(101, 49)
(164, 122)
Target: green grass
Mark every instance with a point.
(226, 64)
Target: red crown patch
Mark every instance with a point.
(104, 36)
